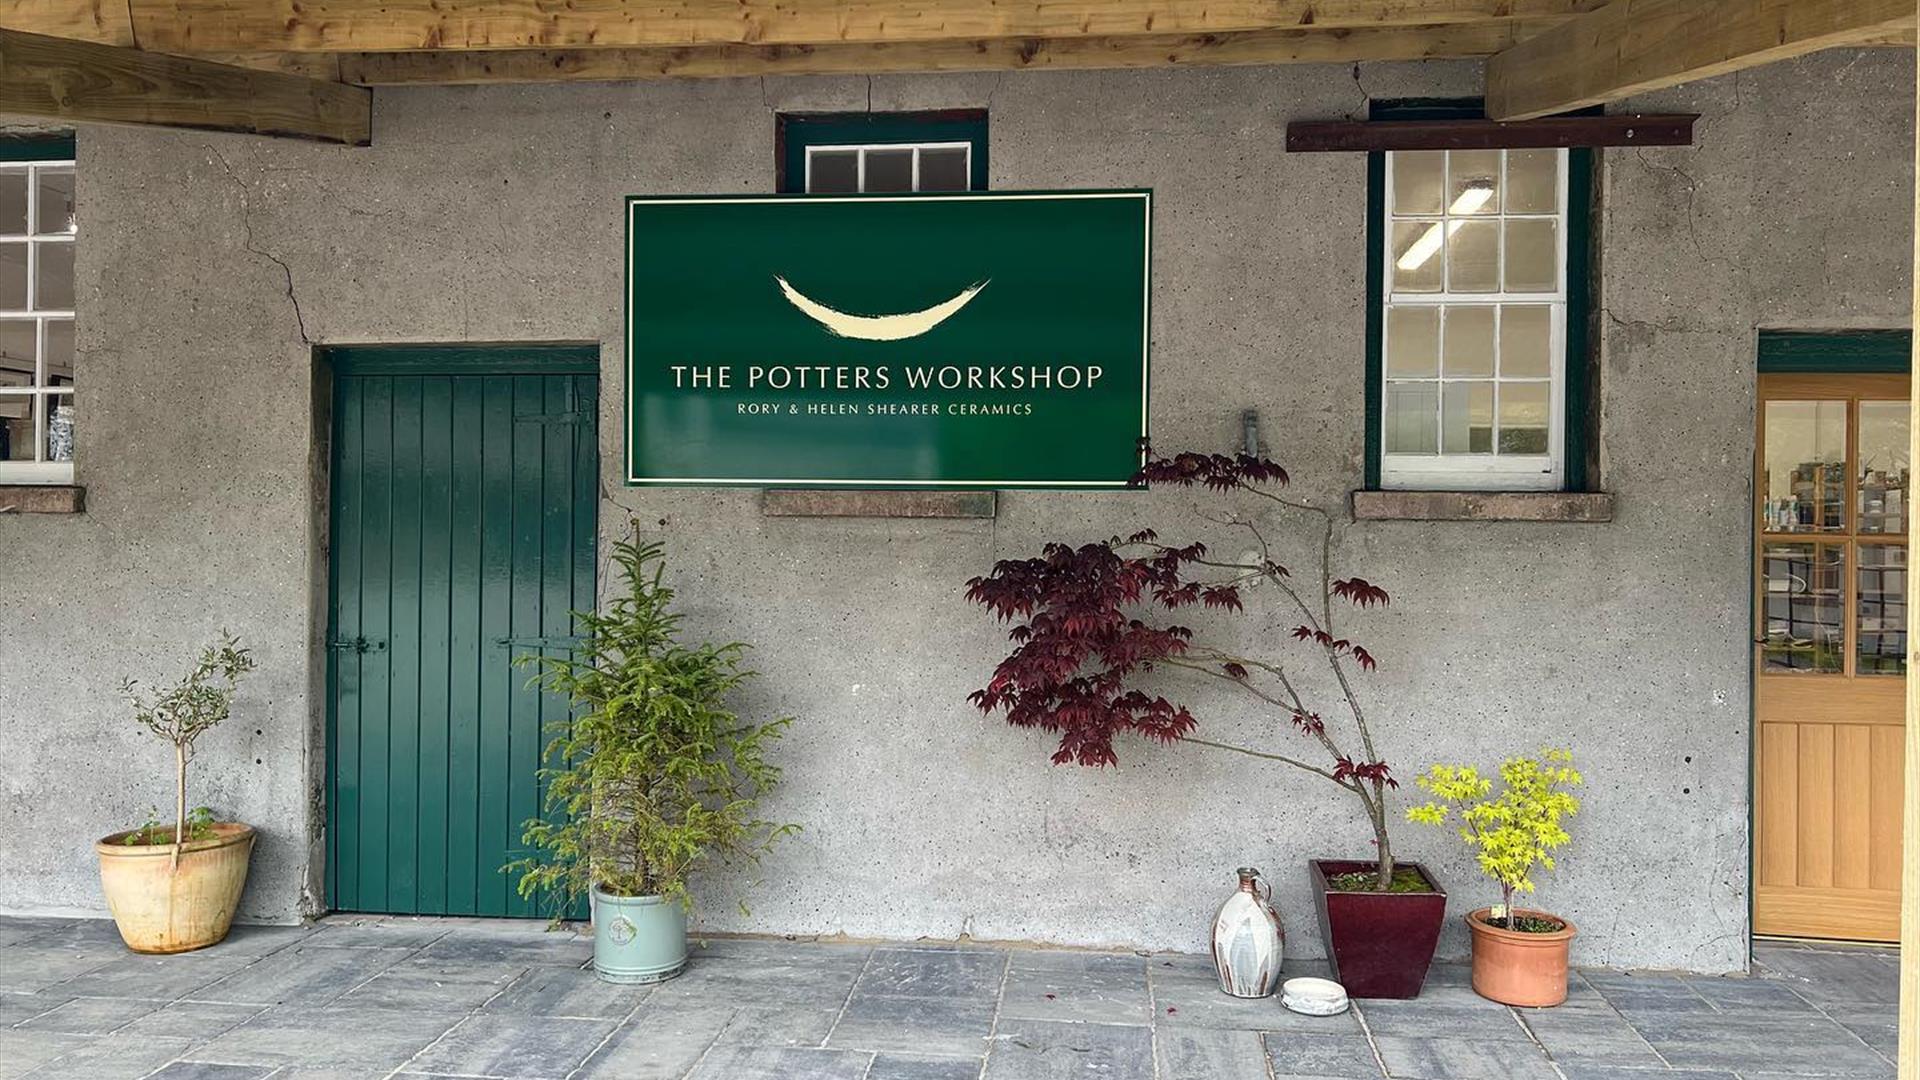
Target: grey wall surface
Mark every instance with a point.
(210, 265)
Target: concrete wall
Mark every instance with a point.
(209, 266)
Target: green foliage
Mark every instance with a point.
(199, 827)
(654, 774)
(1514, 832)
(184, 711)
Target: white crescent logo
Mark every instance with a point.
(877, 327)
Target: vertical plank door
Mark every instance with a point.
(1830, 584)
(464, 497)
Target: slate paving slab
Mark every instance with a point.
(952, 1027)
(1197, 1053)
(299, 976)
(159, 978)
(350, 1037)
(530, 1047)
(917, 1067)
(555, 990)
(661, 1042)
(1743, 1043)
(440, 983)
(195, 1021)
(23, 1051)
(110, 1058)
(1049, 1050)
(91, 1016)
(1429, 1058)
(781, 1063)
(1322, 1055)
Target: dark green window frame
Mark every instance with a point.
(795, 132)
(1577, 440)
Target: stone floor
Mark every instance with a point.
(363, 998)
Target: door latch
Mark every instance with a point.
(358, 645)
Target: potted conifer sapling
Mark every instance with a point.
(175, 888)
(653, 775)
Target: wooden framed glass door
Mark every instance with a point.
(1830, 521)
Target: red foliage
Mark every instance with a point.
(1082, 634)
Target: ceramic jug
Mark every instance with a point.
(1248, 940)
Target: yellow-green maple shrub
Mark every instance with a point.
(1511, 833)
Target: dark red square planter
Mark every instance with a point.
(1379, 943)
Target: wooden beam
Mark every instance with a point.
(999, 54)
(1907, 1041)
(1633, 46)
(200, 26)
(1626, 129)
(105, 22)
(84, 82)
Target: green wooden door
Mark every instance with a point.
(464, 491)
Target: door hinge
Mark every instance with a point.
(357, 645)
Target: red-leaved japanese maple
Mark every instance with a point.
(1085, 632)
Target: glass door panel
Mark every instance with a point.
(1881, 468)
(1802, 607)
(1880, 610)
(1804, 477)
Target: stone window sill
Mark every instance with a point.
(1583, 507)
(809, 502)
(42, 499)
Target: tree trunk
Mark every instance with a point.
(1383, 881)
(179, 803)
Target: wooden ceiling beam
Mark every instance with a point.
(999, 54)
(211, 26)
(1633, 46)
(85, 82)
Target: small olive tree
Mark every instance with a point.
(181, 713)
(654, 773)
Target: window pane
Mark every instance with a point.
(1469, 341)
(889, 170)
(833, 170)
(944, 169)
(1533, 255)
(1416, 256)
(13, 202)
(59, 352)
(1411, 418)
(16, 352)
(1533, 181)
(55, 210)
(54, 289)
(1473, 182)
(1802, 630)
(13, 277)
(1804, 469)
(60, 427)
(1883, 467)
(1523, 418)
(1473, 256)
(1880, 639)
(1419, 176)
(17, 427)
(1466, 418)
(1526, 341)
(1413, 340)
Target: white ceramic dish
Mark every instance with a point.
(1314, 997)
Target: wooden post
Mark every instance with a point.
(1909, 1046)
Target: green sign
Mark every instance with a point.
(959, 340)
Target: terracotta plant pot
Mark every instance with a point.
(1513, 967)
(161, 908)
(1378, 943)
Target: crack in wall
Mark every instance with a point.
(1693, 196)
(246, 225)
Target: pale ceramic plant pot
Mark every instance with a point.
(638, 939)
(163, 908)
